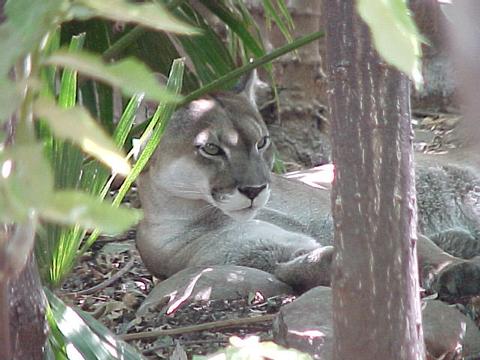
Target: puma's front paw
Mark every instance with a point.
(307, 271)
(459, 279)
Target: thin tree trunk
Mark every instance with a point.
(301, 83)
(5, 351)
(23, 325)
(28, 325)
(375, 282)
(464, 36)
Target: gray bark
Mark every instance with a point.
(27, 304)
(464, 31)
(298, 125)
(23, 325)
(375, 279)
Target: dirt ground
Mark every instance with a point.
(114, 303)
(110, 282)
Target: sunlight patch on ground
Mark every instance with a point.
(318, 177)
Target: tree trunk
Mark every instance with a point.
(375, 279)
(439, 90)
(299, 125)
(464, 36)
(23, 325)
(28, 325)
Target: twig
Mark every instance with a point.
(199, 327)
(185, 343)
(107, 282)
(194, 342)
(420, 112)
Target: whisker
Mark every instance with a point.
(205, 208)
(183, 189)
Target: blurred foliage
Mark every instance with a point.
(395, 35)
(76, 335)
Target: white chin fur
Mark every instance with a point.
(240, 208)
(242, 215)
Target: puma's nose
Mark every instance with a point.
(251, 191)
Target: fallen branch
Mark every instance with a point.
(107, 282)
(199, 327)
(185, 343)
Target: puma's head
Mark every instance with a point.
(216, 149)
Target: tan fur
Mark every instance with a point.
(195, 214)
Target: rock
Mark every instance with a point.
(451, 121)
(225, 282)
(447, 331)
(306, 325)
(424, 136)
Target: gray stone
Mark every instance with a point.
(446, 330)
(306, 325)
(205, 283)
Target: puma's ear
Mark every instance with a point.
(248, 86)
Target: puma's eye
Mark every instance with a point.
(211, 149)
(263, 142)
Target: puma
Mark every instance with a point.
(209, 198)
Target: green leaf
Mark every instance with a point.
(27, 24)
(147, 48)
(207, 52)
(278, 164)
(86, 211)
(220, 9)
(10, 99)
(68, 86)
(288, 20)
(155, 128)
(149, 15)
(24, 15)
(8, 40)
(75, 124)
(271, 12)
(56, 246)
(96, 97)
(236, 73)
(395, 34)
(26, 180)
(151, 135)
(66, 158)
(48, 74)
(130, 75)
(126, 120)
(77, 335)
